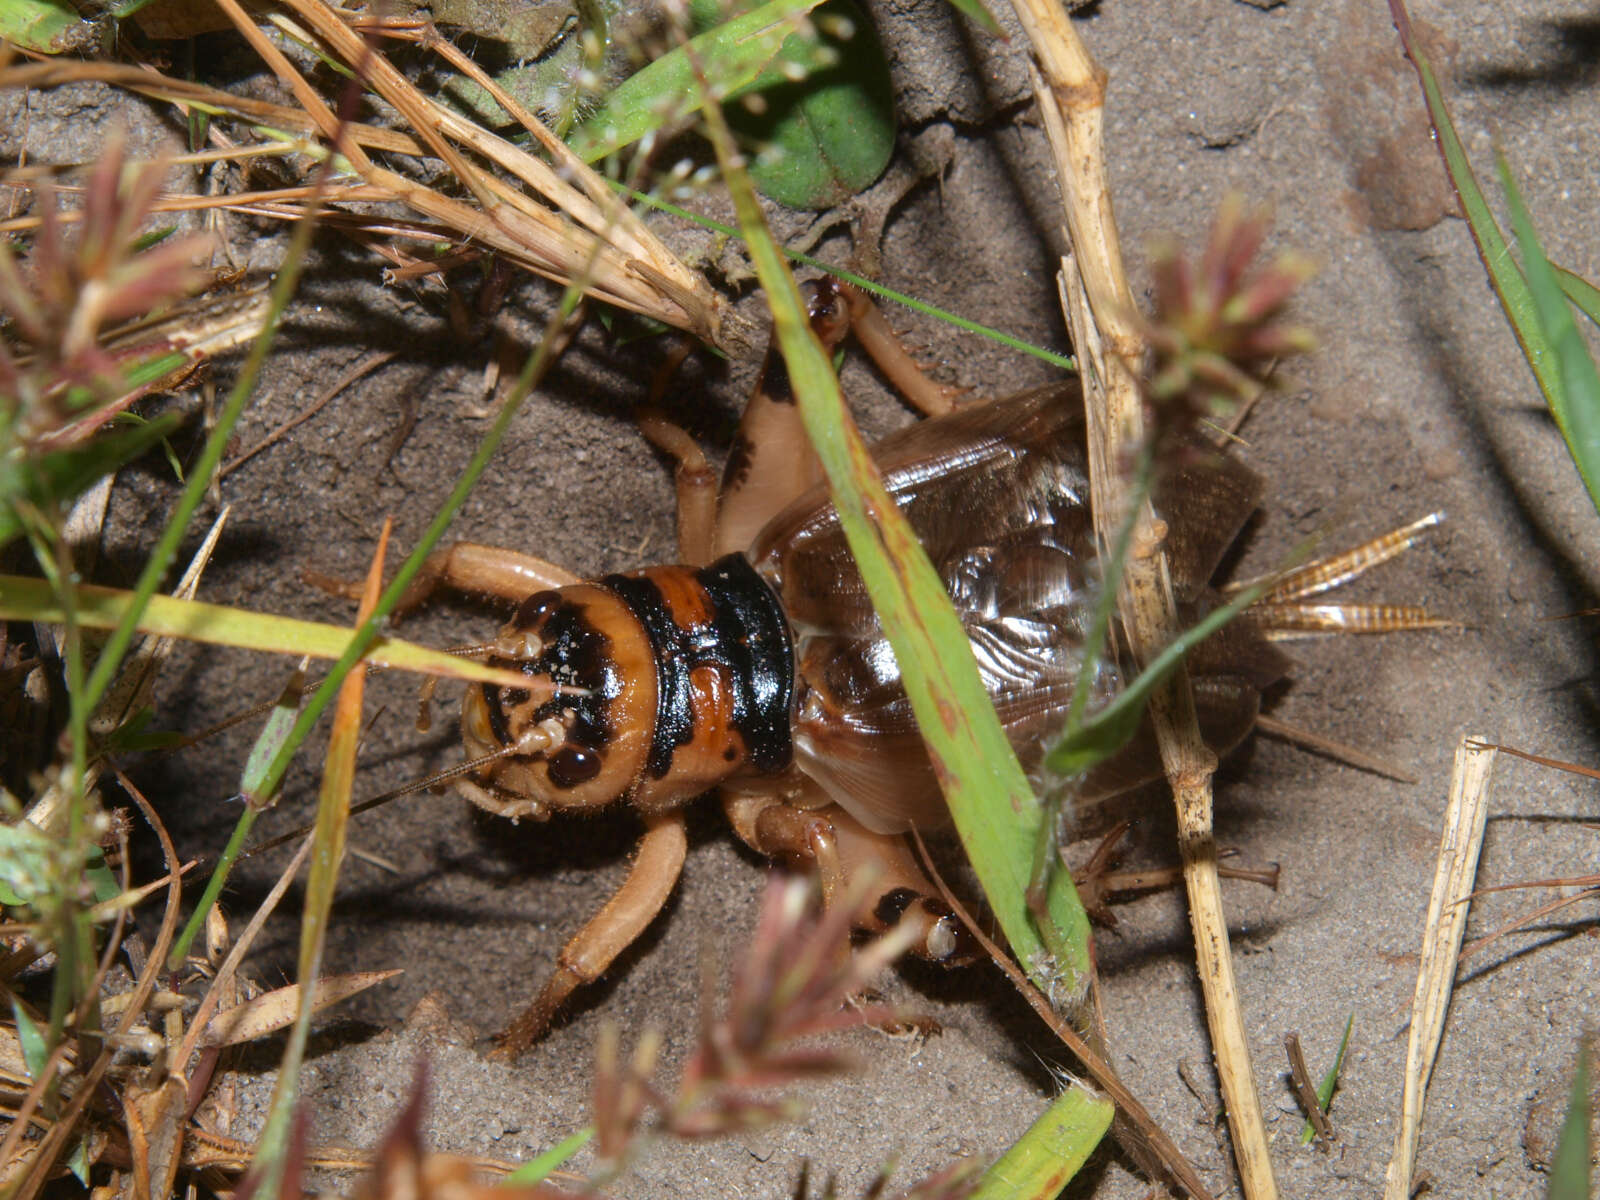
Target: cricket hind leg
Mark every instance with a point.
(842, 850)
(588, 953)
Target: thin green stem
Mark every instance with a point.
(166, 551)
(219, 876)
(860, 281)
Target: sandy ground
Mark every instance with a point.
(1417, 401)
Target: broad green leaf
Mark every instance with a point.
(26, 599)
(1044, 1160)
(827, 136)
(731, 56)
(61, 475)
(27, 856)
(1579, 414)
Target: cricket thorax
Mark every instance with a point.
(673, 678)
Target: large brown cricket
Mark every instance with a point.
(758, 668)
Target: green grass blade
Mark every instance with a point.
(48, 26)
(1579, 414)
(1509, 286)
(1557, 360)
(1580, 291)
(538, 1168)
(1065, 362)
(1111, 727)
(1044, 1160)
(1570, 1171)
(60, 475)
(274, 733)
(1330, 1081)
(995, 811)
(328, 843)
(34, 1051)
(23, 598)
(975, 10)
(166, 549)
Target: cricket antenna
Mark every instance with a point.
(543, 736)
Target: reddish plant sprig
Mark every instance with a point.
(73, 287)
(798, 981)
(1219, 322)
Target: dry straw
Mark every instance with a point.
(1457, 866)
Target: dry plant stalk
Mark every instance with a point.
(1454, 872)
(1070, 89)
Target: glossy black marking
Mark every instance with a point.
(572, 765)
(576, 654)
(747, 638)
(515, 696)
(830, 321)
(737, 468)
(497, 714)
(775, 378)
(536, 608)
(828, 311)
(892, 905)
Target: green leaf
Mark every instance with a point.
(995, 811)
(1580, 291)
(34, 1051)
(280, 721)
(102, 882)
(1551, 364)
(538, 1168)
(26, 599)
(828, 136)
(1330, 1081)
(1044, 1160)
(1569, 1171)
(43, 25)
(1576, 403)
(60, 475)
(975, 10)
(78, 1161)
(731, 56)
(131, 737)
(26, 862)
(1109, 729)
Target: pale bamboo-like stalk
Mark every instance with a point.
(1460, 841)
(1070, 88)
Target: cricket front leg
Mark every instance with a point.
(651, 878)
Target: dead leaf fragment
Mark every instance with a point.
(276, 1010)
